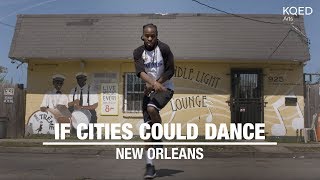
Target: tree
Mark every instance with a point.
(3, 73)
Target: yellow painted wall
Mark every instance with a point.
(207, 97)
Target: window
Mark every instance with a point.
(134, 87)
(104, 77)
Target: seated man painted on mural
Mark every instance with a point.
(55, 101)
(54, 98)
(83, 101)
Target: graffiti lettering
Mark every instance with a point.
(183, 73)
(188, 102)
(46, 117)
(207, 79)
(196, 76)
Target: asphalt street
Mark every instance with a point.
(87, 167)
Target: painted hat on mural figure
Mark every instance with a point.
(58, 77)
(81, 74)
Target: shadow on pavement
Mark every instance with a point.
(167, 172)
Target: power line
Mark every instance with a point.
(269, 57)
(280, 44)
(23, 9)
(26, 8)
(5, 24)
(236, 15)
(292, 29)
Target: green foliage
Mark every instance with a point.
(3, 73)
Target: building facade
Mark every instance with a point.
(227, 69)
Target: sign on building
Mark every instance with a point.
(8, 95)
(8, 99)
(109, 99)
(8, 91)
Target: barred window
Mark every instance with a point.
(134, 87)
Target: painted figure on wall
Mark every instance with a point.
(54, 98)
(53, 109)
(83, 101)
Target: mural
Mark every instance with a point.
(202, 92)
(197, 76)
(200, 97)
(283, 118)
(78, 107)
(297, 122)
(83, 102)
(53, 109)
(41, 123)
(191, 105)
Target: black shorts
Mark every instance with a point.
(158, 100)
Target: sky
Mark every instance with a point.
(10, 8)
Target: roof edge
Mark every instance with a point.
(150, 14)
(25, 59)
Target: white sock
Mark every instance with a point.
(148, 160)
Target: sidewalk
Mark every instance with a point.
(282, 150)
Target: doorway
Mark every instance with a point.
(246, 101)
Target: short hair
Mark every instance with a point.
(152, 26)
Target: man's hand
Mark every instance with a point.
(73, 103)
(147, 89)
(77, 101)
(158, 87)
(76, 104)
(77, 107)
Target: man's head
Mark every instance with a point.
(150, 36)
(57, 81)
(81, 79)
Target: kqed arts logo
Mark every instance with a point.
(290, 11)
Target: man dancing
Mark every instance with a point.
(155, 66)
